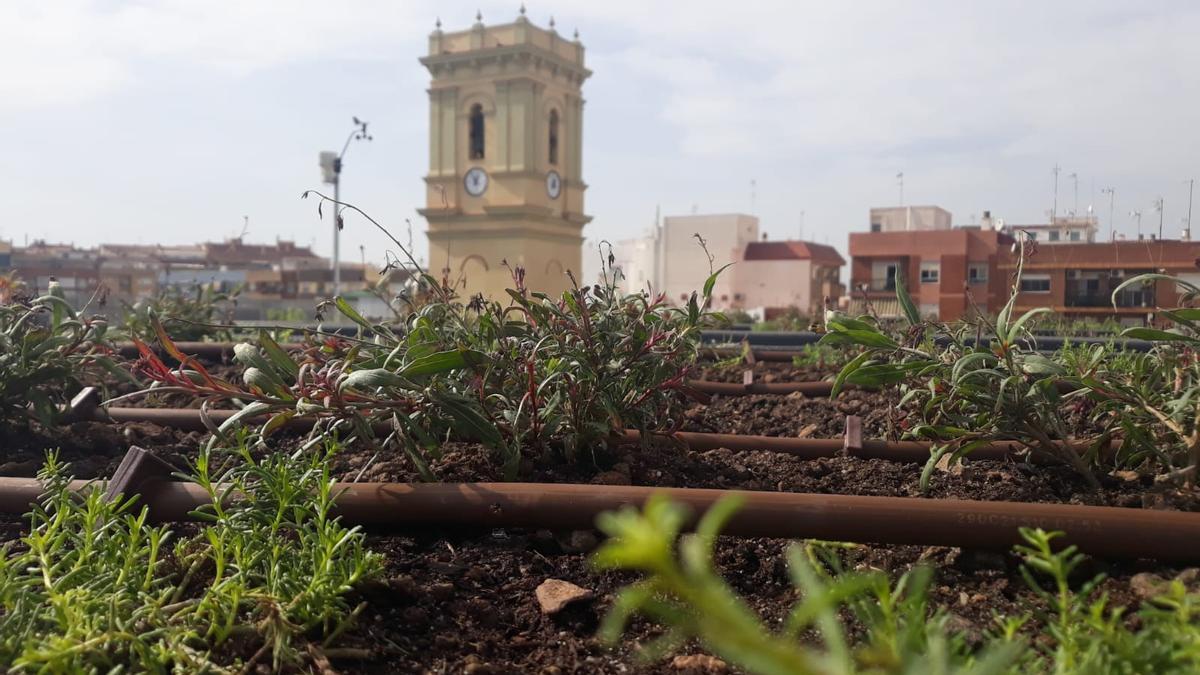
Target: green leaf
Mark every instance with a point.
(712, 280)
(1036, 364)
(1015, 331)
(470, 420)
(253, 410)
(350, 313)
(441, 362)
(866, 338)
(373, 377)
(906, 303)
(278, 355)
(1157, 335)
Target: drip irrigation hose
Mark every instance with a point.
(916, 452)
(1101, 531)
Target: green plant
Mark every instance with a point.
(822, 356)
(557, 375)
(46, 349)
(899, 632)
(973, 384)
(94, 588)
(686, 594)
(203, 314)
(1157, 395)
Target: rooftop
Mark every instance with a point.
(793, 250)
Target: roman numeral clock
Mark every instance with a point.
(505, 156)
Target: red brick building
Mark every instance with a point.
(944, 270)
(1077, 280)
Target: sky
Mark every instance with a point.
(172, 120)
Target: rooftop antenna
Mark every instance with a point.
(1112, 194)
(1138, 215)
(245, 226)
(1158, 206)
(1054, 208)
(1075, 177)
(900, 182)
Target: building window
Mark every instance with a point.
(883, 276)
(1075, 235)
(1035, 283)
(876, 227)
(977, 273)
(1031, 236)
(1054, 235)
(930, 272)
(553, 144)
(475, 126)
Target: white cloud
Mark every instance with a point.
(66, 51)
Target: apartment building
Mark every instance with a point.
(766, 276)
(952, 272)
(1078, 279)
(948, 272)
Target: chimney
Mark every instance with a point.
(764, 236)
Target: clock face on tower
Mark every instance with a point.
(553, 184)
(475, 181)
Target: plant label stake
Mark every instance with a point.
(747, 378)
(852, 443)
(137, 468)
(85, 405)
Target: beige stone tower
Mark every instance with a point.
(505, 166)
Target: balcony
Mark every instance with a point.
(1098, 293)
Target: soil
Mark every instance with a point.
(797, 415)
(764, 371)
(463, 601)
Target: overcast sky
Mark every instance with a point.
(169, 120)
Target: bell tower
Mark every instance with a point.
(505, 175)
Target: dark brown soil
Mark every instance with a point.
(466, 604)
(764, 371)
(463, 601)
(799, 416)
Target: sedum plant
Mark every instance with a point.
(46, 349)
(899, 633)
(95, 588)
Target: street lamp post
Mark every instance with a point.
(331, 165)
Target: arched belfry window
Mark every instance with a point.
(475, 126)
(553, 144)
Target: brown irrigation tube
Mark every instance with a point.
(739, 389)
(217, 350)
(1098, 530)
(916, 452)
(785, 355)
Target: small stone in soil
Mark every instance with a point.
(699, 663)
(1147, 585)
(555, 594)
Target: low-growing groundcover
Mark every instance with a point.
(93, 587)
(891, 628)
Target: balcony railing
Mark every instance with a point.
(882, 284)
(1126, 298)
